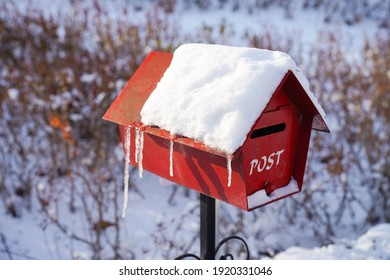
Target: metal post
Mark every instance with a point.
(207, 227)
(208, 250)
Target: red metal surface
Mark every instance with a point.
(268, 159)
(126, 108)
(197, 169)
(302, 101)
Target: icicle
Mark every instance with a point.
(171, 159)
(137, 133)
(139, 146)
(126, 171)
(229, 168)
(140, 155)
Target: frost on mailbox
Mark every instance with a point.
(224, 121)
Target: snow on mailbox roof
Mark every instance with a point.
(215, 93)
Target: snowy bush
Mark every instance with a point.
(58, 76)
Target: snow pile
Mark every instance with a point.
(375, 244)
(13, 93)
(215, 93)
(261, 197)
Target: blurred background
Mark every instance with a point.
(63, 62)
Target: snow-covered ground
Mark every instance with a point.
(29, 238)
(373, 245)
(151, 216)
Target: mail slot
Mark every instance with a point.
(269, 164)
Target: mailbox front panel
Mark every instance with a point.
(270, 149)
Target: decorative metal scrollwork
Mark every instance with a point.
(227, 256)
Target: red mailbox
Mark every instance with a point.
(268, 166)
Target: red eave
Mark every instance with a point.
(298, 95)
(187, 141)
(126, 108)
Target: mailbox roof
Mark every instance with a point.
(214, 94)
(210, 96)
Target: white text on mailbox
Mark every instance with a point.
(265, 162)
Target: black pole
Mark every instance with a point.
(207, 227)
(207, 233)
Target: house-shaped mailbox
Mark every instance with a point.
(270, 128)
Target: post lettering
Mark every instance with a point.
(265, 162)
(261, 166)
(254, 162)
(270, 161)
(278, 153)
